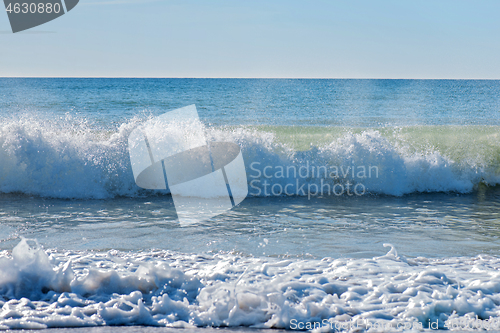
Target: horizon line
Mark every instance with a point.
(241, 78)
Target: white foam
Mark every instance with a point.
(66, 158)
(41, 289)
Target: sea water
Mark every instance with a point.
(373, 204)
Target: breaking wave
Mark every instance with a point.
(67, 158)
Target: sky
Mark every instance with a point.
(450, 39)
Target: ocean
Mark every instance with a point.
(372, 205)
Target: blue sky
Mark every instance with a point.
(273, 38)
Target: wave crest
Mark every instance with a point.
(73, 159)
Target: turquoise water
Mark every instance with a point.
(116, 254)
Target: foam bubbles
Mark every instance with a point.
(51, 288)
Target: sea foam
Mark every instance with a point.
(67, 158)
(49, 288)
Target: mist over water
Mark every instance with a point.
(115, 253)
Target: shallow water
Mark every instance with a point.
(431, 225)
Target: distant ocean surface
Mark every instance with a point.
(406, 231)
